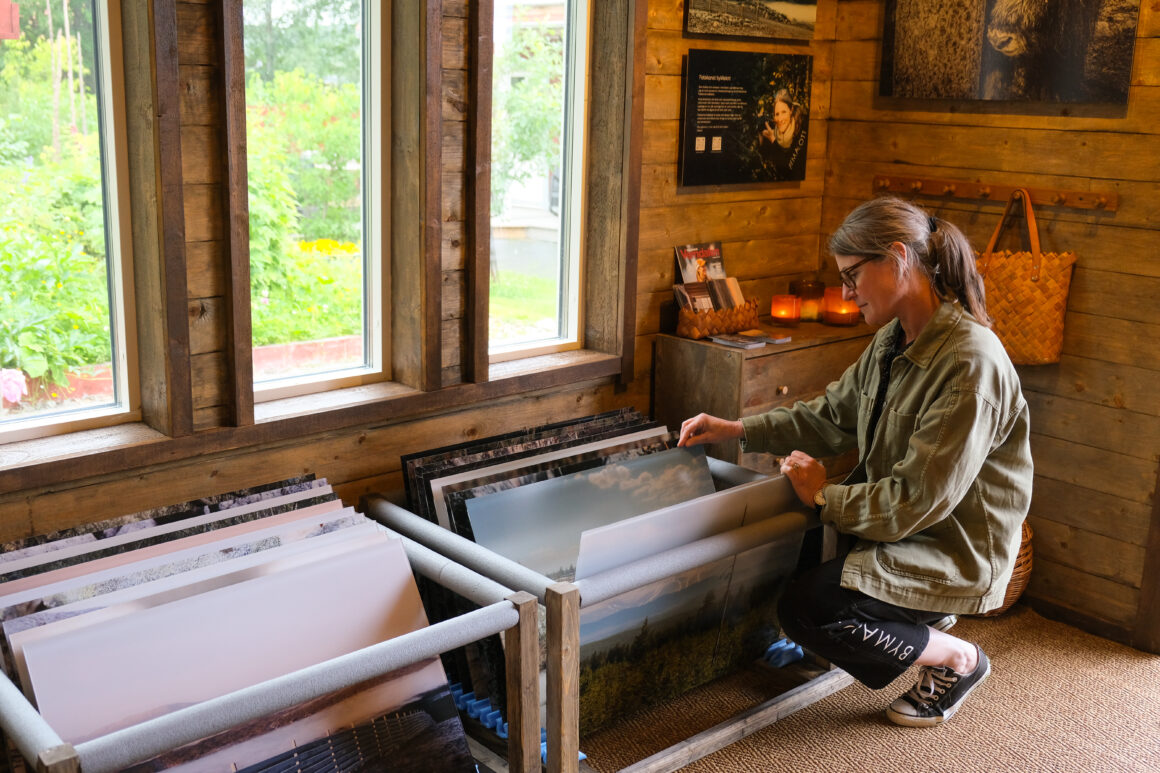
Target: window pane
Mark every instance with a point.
(305, 143)
(529, 175)
(56, 329)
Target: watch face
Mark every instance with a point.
(819, 498)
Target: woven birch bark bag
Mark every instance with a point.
(1026, 291)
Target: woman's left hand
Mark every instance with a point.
(805, 473)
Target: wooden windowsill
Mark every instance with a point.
(54, 460)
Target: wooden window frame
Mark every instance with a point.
(165, 435)
(611, 195)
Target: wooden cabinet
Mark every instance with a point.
(701, 376)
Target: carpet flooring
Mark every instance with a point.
(1058, 699)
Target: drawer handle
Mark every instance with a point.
(783, 390)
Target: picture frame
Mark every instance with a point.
(745, 117)
(1004, 51)
(731, 20)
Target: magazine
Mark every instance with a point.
(700, 262)
(739, 341)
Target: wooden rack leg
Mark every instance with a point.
(522, 648)
(563, 603)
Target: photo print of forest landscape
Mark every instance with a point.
(744, 117)
(760, 19)
(1051, 51)
(594, 500)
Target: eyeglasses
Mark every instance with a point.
(847, 276)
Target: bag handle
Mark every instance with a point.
(1032, 228)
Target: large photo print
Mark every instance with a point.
(1075, 51)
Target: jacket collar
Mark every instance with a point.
(930, 339)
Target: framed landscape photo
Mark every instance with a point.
(1009, 50)
(751, 19)
(744, 117)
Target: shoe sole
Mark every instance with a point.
(909, 721)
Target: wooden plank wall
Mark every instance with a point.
(1095, 415)
(769, 233)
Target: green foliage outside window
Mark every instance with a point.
(528, 102)
(53, 273)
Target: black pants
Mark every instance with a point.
(871, 640)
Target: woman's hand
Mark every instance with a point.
(769, 134)
(704, 428)
(805, 473)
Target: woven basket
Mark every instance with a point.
(1026, 292)
(702, 324)
(1020, 576)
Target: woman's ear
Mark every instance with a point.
(899, 253)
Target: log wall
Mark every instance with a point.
(1096, 414)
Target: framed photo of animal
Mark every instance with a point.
(1053, 51)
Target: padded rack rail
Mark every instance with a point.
(564, 600)
(502, 611)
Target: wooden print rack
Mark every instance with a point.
(967, 189)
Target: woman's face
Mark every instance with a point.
(877, 289)
(781, 115)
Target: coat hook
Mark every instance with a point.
(949, 190)
(984, 192)
(883, 183)
(1101, 202)
(1059, 199)
(916, 186)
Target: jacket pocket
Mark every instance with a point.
(917, 561)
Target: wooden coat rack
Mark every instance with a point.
(965, 189)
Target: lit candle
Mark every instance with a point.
(810, 291)
(786, 309)
(836, 310)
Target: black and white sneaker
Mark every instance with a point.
(937, 696)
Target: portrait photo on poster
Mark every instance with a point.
(749, 20)
(744, 117)
(1050, 51)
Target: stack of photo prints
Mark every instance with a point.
(577, 498)
(704, 285)
(118, 622)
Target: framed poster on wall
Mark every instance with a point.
(744, 117)
(1009, 50)
(746, 20)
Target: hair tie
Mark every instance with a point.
(930, 221)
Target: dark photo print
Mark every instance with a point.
(1071, 51)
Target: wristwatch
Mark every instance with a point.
(820, 498)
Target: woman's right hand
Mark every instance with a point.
(704, 428)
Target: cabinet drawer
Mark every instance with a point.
(783, 379)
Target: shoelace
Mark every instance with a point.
(933, 684)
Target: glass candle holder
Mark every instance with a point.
(810, 291)
(836, 310)
(786, 309)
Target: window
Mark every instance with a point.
(537, 142)
(313, 137)
(65, 329)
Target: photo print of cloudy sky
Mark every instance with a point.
(539, 525)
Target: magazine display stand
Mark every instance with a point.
(502, 611)
(564, 600)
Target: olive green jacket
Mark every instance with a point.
(948, 472)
